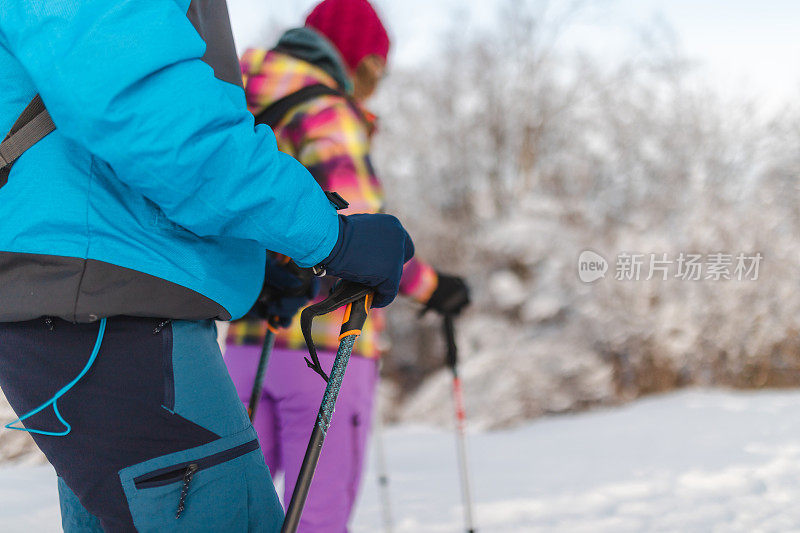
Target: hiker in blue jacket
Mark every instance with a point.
(144, 215)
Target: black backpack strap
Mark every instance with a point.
(33, 125)
(276, 111)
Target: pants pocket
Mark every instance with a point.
(206, 489)
(185, 471)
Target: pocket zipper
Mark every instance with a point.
(187, 471)
(175, 473)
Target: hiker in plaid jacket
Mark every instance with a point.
(343, 46)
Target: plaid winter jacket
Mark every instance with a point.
(331, 138)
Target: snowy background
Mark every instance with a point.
(515, 135)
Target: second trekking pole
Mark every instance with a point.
(358, 299)
(461, 438)
(271, 294)
(258, 384)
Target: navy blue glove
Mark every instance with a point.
(371, 250)
(286, 289)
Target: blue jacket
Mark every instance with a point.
(156, 195)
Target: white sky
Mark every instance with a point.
(744, 47)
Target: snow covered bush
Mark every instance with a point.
(507, 159)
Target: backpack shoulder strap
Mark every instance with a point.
(33, 125)
(276, 111)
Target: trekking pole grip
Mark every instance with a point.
(355, 316)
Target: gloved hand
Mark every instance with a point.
(371, 250)
(286, 289)
(450, 297)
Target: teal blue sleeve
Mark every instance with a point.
(124, 79)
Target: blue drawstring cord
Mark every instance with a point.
(54, 400)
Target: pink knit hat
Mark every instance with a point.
(353, 27)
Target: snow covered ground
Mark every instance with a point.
(691, 461)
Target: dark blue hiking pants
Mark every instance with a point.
(159, 441)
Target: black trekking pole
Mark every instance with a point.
(461, 438)
(269, 293)
(358, 299)
(258, 384)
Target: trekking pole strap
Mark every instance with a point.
(33, 125)
(344, 293)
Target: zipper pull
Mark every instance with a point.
(187, 479)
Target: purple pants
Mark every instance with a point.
(286, 416)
